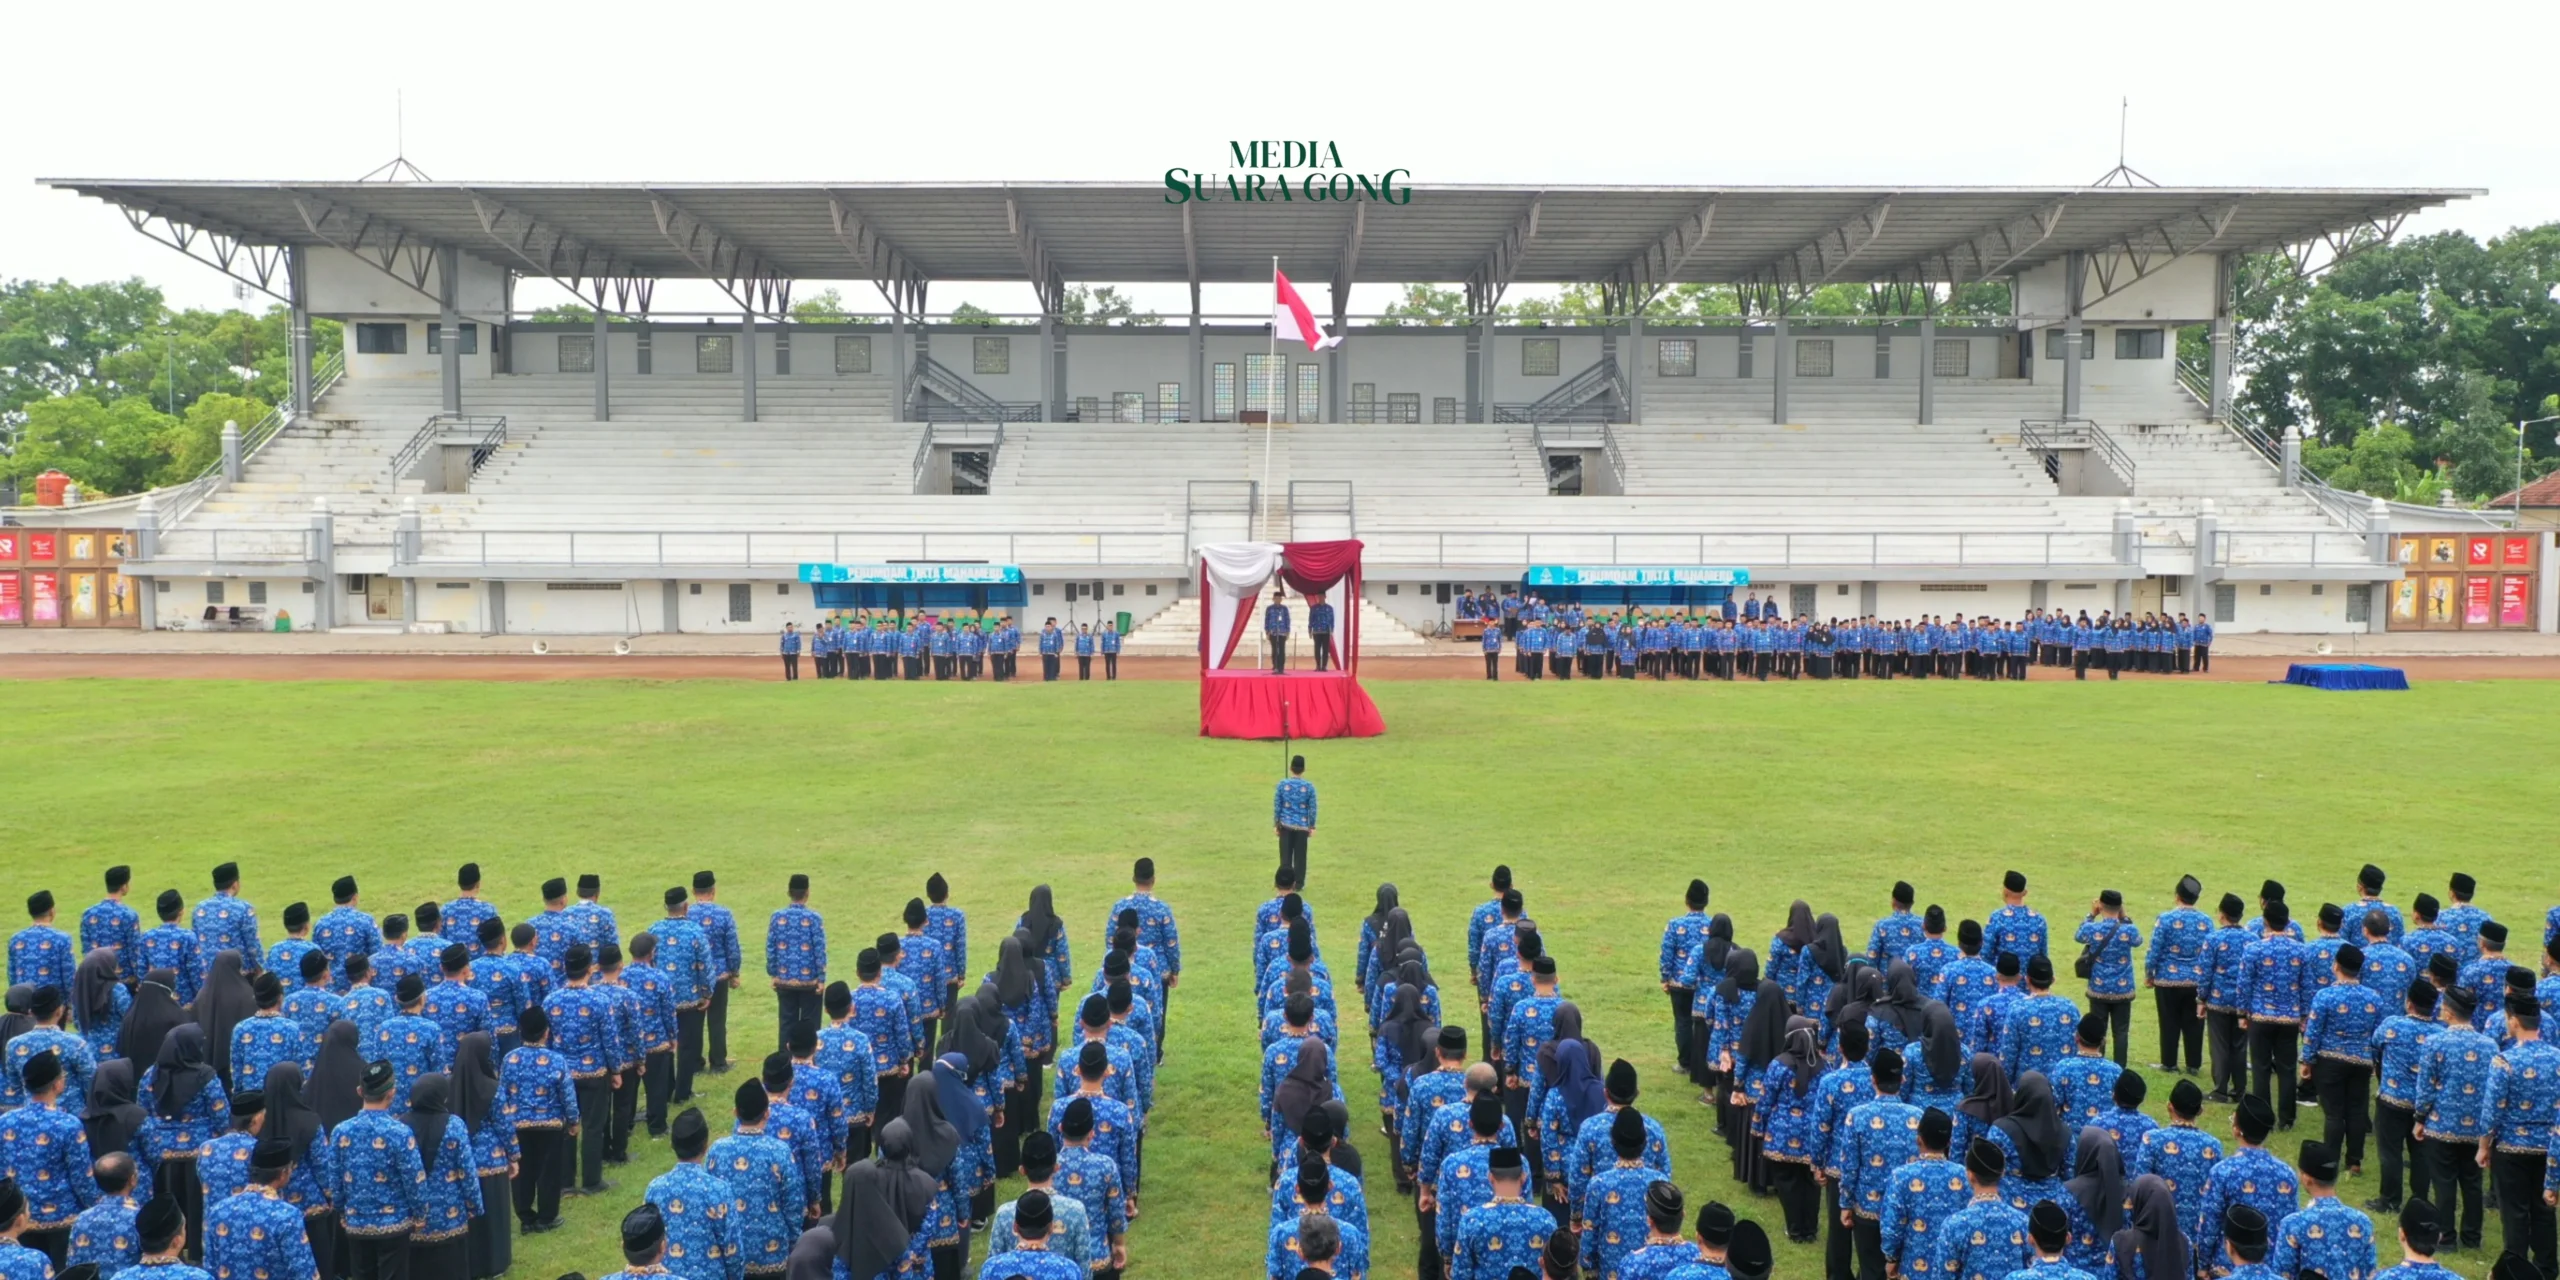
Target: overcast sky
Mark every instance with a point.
(2237, 94)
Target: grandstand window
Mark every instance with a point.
(1444, 409)
(1952, 358)
(782, 350)
(2226, 602)
(1088, 408)
(470, 339)
(990, 355)
(213, 592)
(1128, 406)
(1310, 393)
(2053, 344)
(1262, 375)
(382, 339)
(1168, 402)
(257, 593)
(577, 353)
(2359, 602)
(853, 353)
(2138, 344)
(1676, 358)
(1813, 357)
(1222, 392)
(1541, 357)
(1404, 406)
(714, 353)
(742, 602)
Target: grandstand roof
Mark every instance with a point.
(1488, 235)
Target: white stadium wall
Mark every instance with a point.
(346, 287)
(2177, 292)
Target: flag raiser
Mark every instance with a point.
(1290, 317)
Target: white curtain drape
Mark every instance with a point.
(1234, 574)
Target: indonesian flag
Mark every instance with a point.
(1290, 317)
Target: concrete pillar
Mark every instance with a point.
(1195, 394)
(747, 365)
(449, 324)
(2039, 594)
(2128, 552)
(2293, 456)
(230, 452)
(1050, 391)
(1928, 369)
(668, 595)
(407, 533)
(604, 371)
(146, 529)
(1633, 370)
(2075, 269)
(496, 593)
(1781, 370)
(2208, 567)
(904, 410)
(2221, 354)
(324, 528)
(1477, 341)
(2377, 532)
(298, 288)
(1867, 599)
(1058, 364)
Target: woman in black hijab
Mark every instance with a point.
(114, 1117)
(1826, 963)
(1373, 930)
(1936, 1074)
(1764, 1037)
(1300, 1092)
(1567, 1025)
(440, 1251)
(187, 1107)
(1788, 945)
(2097, 1192)
(1047, 944)
(1852, 1000)
(15, 1020)
(1987, 1105)
(221, 1005)
(886, 1199)
(1718, 945)
(1793, 1179)
(964, 1032)
(1015, 995)
(290, 1120)
(2151, 1246)
(1900, 1013)
(2040, 1143)
(1400, 1039)
(1341, 1155)
(155, 1011)
(337, 1076)
(99, 1000)
(1727, 1004)
(475, 1103)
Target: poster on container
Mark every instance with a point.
(42, 548)
(84, 598)
(10, 545)
(44, 590)
(2404, 600)
(13, 607)
(2518, 553)
(2515, 600)
(2475, 600)
(2477, 550)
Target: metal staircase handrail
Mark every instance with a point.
(180, 501)
(2046, 435)
(971, 401)
(1580, 389)
(492, 429)
(2351, 509)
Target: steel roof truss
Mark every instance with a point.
(750, 279)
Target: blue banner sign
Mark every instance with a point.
(921, 575)
(1630, 575)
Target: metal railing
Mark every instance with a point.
(180, 501)
(953, 398)
(1131, 408)
(1598, 384)
(2351, 509)
(1583, 435)
(240, 545)
(485, 432)
(2046, 437)
(2289, 547)
(1322, 500)
(1219, 511)
(958, 435)
(643, 550)
(1953, 549)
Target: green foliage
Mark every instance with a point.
(2378, 462)
(53, 336)
(826, 306)
(574, 313)
(1104, 305)
(111, 448)
(1425, 304)
(972, 313)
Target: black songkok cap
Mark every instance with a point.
(2189, 889)
(555, 887)
(2254, 1117)
(297, 915)
(589, 884)
(2370, 878)
(533, 1023)
(2040, 971)
(1854, 1039)
(704, 880)
(1985, 1160)
(118, 876)
(2421, 993)
(492, 933)
(1715, 1221)
(247, 1103)
(2278, 917)
(1697, 896)
(937, 888)
(2271, 891)
(226, 875)
(1484, 1116)
(2493, 932)
(839, 999)
(2093, 1027)
(2319, 1162)
(1544, 966)
(643, 1228)
(2186, 1099)
(268, 988)
(410, 987)
(2232, 907)
(1664, 1206)
(2460, 1004)
(314, 964)
(2245, 1227)
(377, 1078)
(1093, 1060)
(1934, 920)
(2418, 1222)
(1626, 1133)
(1077, 1120)
(2007, 965)
(342, 889)
(1143, 872)
(157, 1223)
(577, 959)
(1969, 935)
(2110, 898)
(2426, 906)
(867, 964)
(674, 896)
(2131, 1089)
(2351, 959)
(41, 1070)
(1886, 1066)
(2332, 916)
(1453, 1039)
(1039, 1153)
(690, 1134)
(2049, 1226)
(468, 877)
(1937, 1128)
(1032, 1214)
(2014, 882)
(1749, 1257)
(2443, 965)
(751, 1101)
(2462, 885)
(168, 903)
(1903, 893)
(1506, 1162)
(46, 1002)
(915, 915)
(1621, 1084)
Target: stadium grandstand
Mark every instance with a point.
(458, 464)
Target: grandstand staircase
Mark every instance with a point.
(1274, 523)
(1175, 632)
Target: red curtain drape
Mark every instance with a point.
(1322, 566)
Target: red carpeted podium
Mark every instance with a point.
(1260, 704)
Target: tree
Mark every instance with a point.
(2477, 447)
(53, 336)
(972, 313)
(1426, 304)
(1104, 305)
(192, 445)
(110, 448)
(574, 313)
(826, 306)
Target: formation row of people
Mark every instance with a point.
(1683, 645)
(885, 646)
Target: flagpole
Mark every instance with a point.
(1272, 357)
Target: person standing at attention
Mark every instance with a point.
(1275, 631)
(1320, 632)
(1293, 815)
(1084, 652)
(1052, 643)
(791, 651)
(1111, 650)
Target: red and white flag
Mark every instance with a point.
(1290, 317)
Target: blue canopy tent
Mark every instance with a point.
(916, 587)
(1620, 586)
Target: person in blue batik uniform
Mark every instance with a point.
(1612, 1209)
(46, 1153)
(644, 1245)
(111, 923)
(284, 959)
(1029, 1254)
(345, 932)
(450, 1195)
(1092, 1178)
(1920, 1196)
(2423, 1232)
(2111, 939)
(171, 946)
(720, 929)
(2486, 980)
(2049, 1226)
(1877, 1138)
(414, 1046)
(2015, 929)
(2430, 939)
(106, 1235)
(590, 921)
(815, 1144)
(1665, 1249)
(367, 1004)
(2173, 968)
(395, 959)
(2324, 1235)
(185, 1106)
(1275, 631)
(539, 1100)
(2337, 1052)
(2038, 1032)
(1505, 1232)
(790, 650)
(267, 1038)
(2252, 1175)
(2125, 1121)
(463, 916)
(226, 921)
(2275, 980)
(2180, 1154)
(684, 953)
(377, 1179)
(312, 1005)
(453, 1004)
(2369, 902)
(1898, 932)
(1965, 983)
(1293, 817)
(702, 1212)
(795, 958)
(41, 955)
(1306, 1234)
(882, 1019)
(160, 1238)
(760, 1170)
(2524, 1097)
(1934, 955)
(1987, 1238)
(1682, 938)
(1786, 1114)
(50, 1034)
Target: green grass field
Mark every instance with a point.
(1606, 798)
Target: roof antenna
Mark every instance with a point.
(398, 169)
(2123, 175)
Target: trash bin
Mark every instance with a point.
(1124, 622)
(284, 620)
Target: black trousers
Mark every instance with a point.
(55, 1242)
(657, 1083)
(883, 666)
(1840, 1244)
(2275, 1050)
(1279, 644)
(1084, 666)
(791, 666)
(626, 1108)
(2230, 1052)
(1492, 666)
(715, 1027)
(1798, 1197)
(1326, 660)
(2527, 1221)
(1870, 1240)
(1427, 1263)
(2181, 1027)
(540, 1165)
(2079, 664)
(797, 1007)
(2454, 1166)
(2119, 1022)
(1048, 666)
(1683, 1039)
(1293, 853)
(2394, 1127)
(595, 1124)
(2204, 657)
(384, 1257)
(2341, 1087)
(688, 1051)
(1111, 666)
